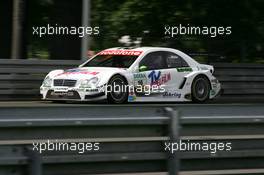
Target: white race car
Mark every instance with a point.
(144, 74)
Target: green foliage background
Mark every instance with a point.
(133, 17)
(147, 19)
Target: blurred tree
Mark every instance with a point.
(55, 12)
(147, 19)
(38, 14)
(19, 37)
(5, 29)
(66, 13)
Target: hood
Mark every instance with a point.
(87, 73)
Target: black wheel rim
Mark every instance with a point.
(118, 91)
(201, 89)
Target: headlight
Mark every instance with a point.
(47, 82)
(91, 83)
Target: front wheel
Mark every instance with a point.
(117, 90)
(200, 89)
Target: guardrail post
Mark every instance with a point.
(174, 127)
(35, 164)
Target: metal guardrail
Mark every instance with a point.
(127, 144)
(131, 144)
(241, 80)
(21, 79)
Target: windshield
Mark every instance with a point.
(120, 61)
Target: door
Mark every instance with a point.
(153, 76)
(178, 68)
(165, 70)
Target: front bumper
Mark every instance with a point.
(71, 94)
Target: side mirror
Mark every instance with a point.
(143, 68)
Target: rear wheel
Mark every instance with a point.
(200, 89)
(117, 90)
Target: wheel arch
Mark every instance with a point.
(204, 98)
(205, 76)
(118, 75)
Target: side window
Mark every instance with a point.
(154, 60)
(173, 60)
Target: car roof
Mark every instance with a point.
(151, 49)
(142, 48)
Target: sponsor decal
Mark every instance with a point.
(214, 81)
(78, 71)
(140, 76)
(61, 89)
(214, 86)
(92, 90)
(62, 93)
(157, 79)
(120, 52)
(140, 79)
(172, 94)
(184, 69)
(131, 98)
(212, 92)
(187, 84)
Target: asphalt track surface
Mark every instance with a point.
(44, 109)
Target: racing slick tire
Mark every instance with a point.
(120, 95)
(200, 89)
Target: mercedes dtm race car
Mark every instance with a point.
(143, 74)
